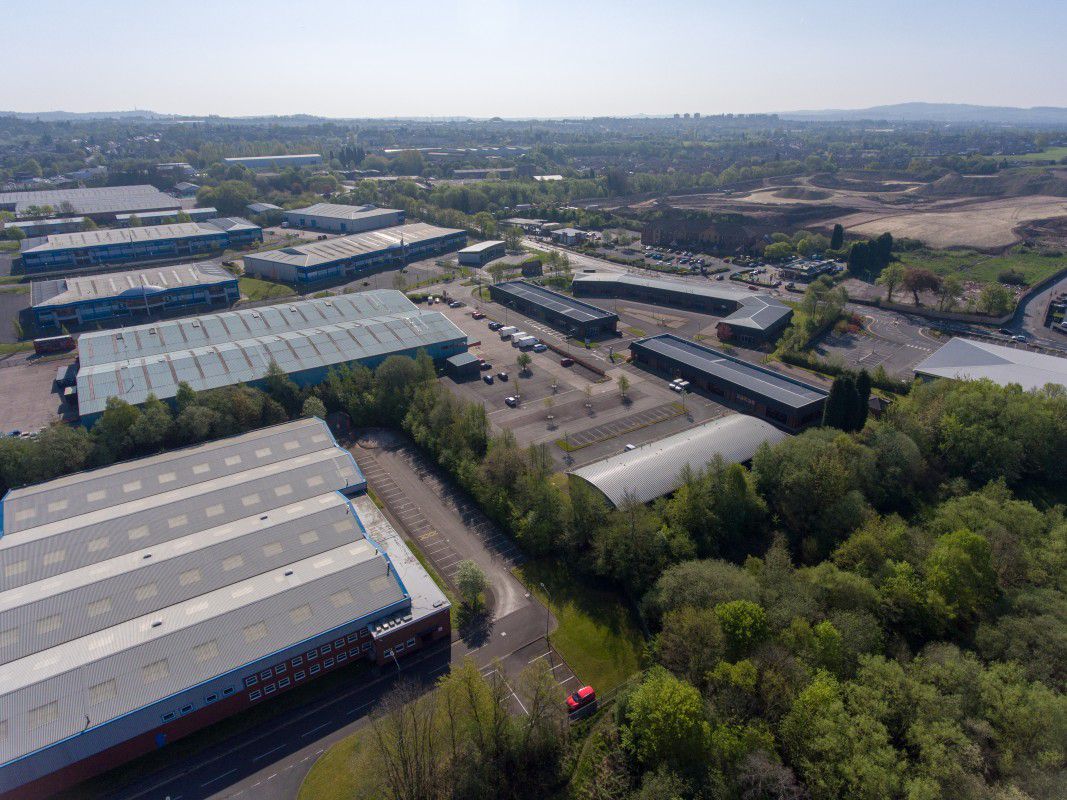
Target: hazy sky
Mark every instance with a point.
(354, 58)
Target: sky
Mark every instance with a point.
(353, 58)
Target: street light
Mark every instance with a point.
(547, 617)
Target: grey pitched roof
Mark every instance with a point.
(97, 200)
(343, 211)
(652, 470)
(480, 246)
(148, 233)
(343, 247)
(970, 359)
(554, 301)
(85, 288)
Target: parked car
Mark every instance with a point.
(540, 347)
(581, 698)
(495, 326)
(502, 375)
(488, 379)
(566, 362)
(511, 402)
(485, 365)
(456, 304)
(478, 315)
(627, 448)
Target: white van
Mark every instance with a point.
(505, 333)
(517, 337)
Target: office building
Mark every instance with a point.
(354, 256)
(148, 599)
(480, 254)
(754, 389)
(67, 251)
(338, 218)
(304, 338)
(571, 316)
(119, 296)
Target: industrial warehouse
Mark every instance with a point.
(970, 359)
(338, 218)
(757, 390)
(148, 599)
(752, 319)
(304, 339)
(652, 470)
(353, 256)
(43, 227)
(265, 163)
(102, 203)
(480, 254)
(571, 316)
(125, 245)
(82, 299)
(161, 217)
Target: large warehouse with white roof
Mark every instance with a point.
(652, 470)
(971, 359)
(100, 203)
(340, 218)
(352, 256)
(145, 600)
(304, 338)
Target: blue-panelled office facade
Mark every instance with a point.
(137, 302)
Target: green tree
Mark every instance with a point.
(624, 386)
(313, 407)
(960, 576)
(665, 723)
(524, 360)
(744, 626)
(996, 300)
(486, 224)
(513, 238)
(891, 277)
(837, 238)
(920, 280)
(471, 583)
(690, 643)
(950, 292)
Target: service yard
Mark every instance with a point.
(895, 342)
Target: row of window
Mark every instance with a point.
(312, 655)
(190, 707)
(399, 648)
(267, 689)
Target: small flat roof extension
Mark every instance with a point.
(480, 246)
(86, 288)
(757, 379)
(554, 301)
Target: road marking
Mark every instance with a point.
(316, 728)
(538, 658)
(264, 755)
(218, 777)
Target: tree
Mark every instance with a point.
(471, 584)
(690, 643)
(134, 221)
(891, 277)
(858, 259)
(496, 271)
(837, 238)
(838, 409)
(624, 386)
(920, 280)
(524, 360)
(996, 300)
(407, 748)
(282, 389)
(744, 625)
(513, 238)
(486, 224)
(313, 407)
(665, 724)
(14, 234)
(950, 292)
(959, 572)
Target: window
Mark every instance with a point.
(354, 652)
(99, 544)
(168, 716)
(251, 680)
(351, 637)
(55, 557)
(17, 568)
(250, 500)
(326, 648)
(328, 663)
(145, 592)
(313, 654)
(296, 662)
(227, 691)
(315, 668)
(300, 613)
(270, 688)
(266, 674)
(283, 683)
(342, 657)
(253, 633)
(399, 648)
(103, 692)
(49, 624)
(281, 669)
(272, 549)
(186, 709)
(367, 647)
(233, 562)
(255, 695)
(206, 651)
(299, 675)
(42, 715)
(411, 642)
(310, 537)
(339, 644)
(156, 671)
(341, 598)
(189, 576)
(211, 698)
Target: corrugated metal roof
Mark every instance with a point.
(970, 359)
(342, 211)
(652, 470)
(480, 246)
(757, 379)
(554, 301)
(98, 200)
(85, 288)
(149, 233)
(758, 311)
(344, 247)
(238, 346)
(194, 213)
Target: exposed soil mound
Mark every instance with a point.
(801, 193)
(1015, 183)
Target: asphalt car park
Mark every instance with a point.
(28, 399)
(892, 341)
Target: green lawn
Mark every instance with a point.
(347, 770)
(258, 289)
(598, 633)
(975, 266)
(1048, 154)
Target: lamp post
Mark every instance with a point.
(547, 617)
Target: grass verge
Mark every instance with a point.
(258, 289)
(598, 632)
(7, 348)
(348, 769)
(982, 267)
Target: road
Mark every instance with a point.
(1030, 317)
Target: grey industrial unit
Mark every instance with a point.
(571, 316)
(970, 359)
(339, 218)
(63, 251)
(43, 227)
(100, 203)
(81, 299)
(652, 470)
(162, 217)
(463, 366)
(480, 254)
(747, 318)
(304, 338)
(354, 256)
(757, 390)
(145, 600)
(266, 163)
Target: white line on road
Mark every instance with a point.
(264, 755)
(316, 728)
(538, 658)
(218, 777)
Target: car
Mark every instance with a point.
(511, 401)
(495, 326)
(1020, 337)
(477, 315)
(540, 347)
(566, 362)
(488, 379)
(456, 304)
(581, 698)
(1006, 331)
(628, 447)
(485, 365)
(502, 375)
(718, 277)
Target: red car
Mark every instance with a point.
(581, 698)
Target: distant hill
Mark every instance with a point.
(62, 116)
(938, 112)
